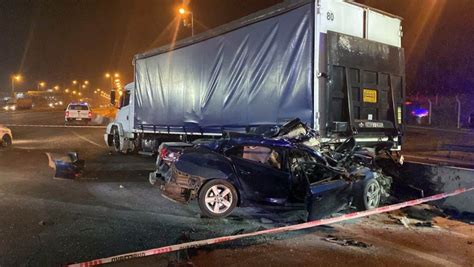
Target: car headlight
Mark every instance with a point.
(12, 107)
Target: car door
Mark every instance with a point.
(261, 180)
(327, 198)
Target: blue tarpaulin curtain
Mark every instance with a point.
(257, 74)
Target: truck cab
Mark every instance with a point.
(119, 134)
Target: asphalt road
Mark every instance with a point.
(111, 210)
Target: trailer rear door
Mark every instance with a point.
(365, 86)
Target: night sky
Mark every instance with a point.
(59, 41)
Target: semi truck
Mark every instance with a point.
(336, 65)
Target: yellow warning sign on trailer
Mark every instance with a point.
(369, 96)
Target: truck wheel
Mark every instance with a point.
(217, 198)
(368, 196)
(6, 141)
(116, 139)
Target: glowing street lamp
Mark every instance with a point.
(41, 85)
(111, 77)
(16, 77)
(183, 11)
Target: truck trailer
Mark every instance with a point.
(336, 65)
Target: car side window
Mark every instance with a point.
(260, 154)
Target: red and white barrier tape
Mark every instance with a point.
(301, 226)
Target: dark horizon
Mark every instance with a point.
(61, 41)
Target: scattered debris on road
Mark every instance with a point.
(346, 241)
(66, 166)
(44, 223)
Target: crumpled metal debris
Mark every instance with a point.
(424, 224)
(404, 221)
(67, 166)
(346, 242)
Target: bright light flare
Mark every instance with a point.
(17, 77)
(420, 112)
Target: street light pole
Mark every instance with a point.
(192, 23)
(13, 87)
(184, 11)
(111, 77)
(14, 77)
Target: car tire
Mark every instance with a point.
(116, 139)
(6, 141)
(217, 198)
(369, 195)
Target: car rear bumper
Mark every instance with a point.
(179, 187)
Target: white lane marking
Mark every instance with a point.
(88, 140)
(54, 126)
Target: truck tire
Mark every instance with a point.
(369, 195)
(116, 139)
(217, 198)
(6, 141)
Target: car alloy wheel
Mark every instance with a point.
(373, 195)
(368, 195)
(217, 198)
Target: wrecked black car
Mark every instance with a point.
(294, 130)
(251, 169)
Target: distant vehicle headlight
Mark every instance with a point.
(13, 107)
(5, 107)
(51, 105)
